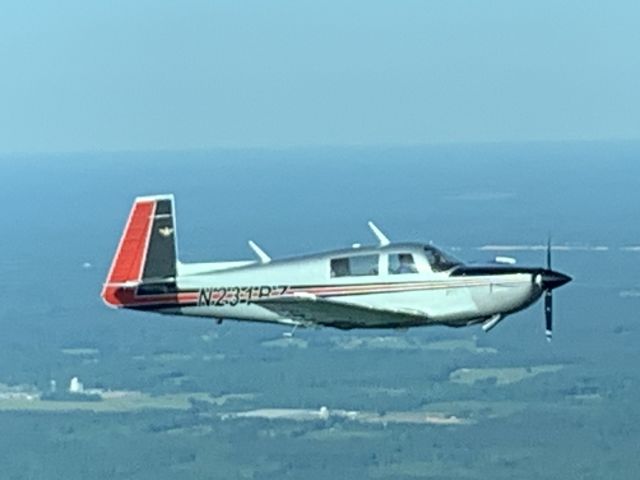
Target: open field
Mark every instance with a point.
(501, 376)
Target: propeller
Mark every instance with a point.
(549, 281)
(548, 299)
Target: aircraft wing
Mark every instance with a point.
(312, 310)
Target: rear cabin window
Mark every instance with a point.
(354, 266)
(402, 263)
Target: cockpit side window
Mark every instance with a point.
(355, 266)
(401, 263)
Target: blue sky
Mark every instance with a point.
(150, 74)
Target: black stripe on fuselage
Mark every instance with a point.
(489, 270)
(164, 288)
(148, 291)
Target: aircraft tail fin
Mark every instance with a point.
(147, 252)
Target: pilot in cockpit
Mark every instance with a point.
(406, 263)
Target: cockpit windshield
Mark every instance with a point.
(439, 260)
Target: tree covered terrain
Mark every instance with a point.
(169, 397)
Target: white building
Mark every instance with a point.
(75, 386)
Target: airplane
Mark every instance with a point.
(388, 285)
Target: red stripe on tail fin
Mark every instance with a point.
(129, 260)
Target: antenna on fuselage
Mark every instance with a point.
(382, 238)
(264, 258)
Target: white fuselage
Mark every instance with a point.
(228, 290)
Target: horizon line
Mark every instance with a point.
(302, 147)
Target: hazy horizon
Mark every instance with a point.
(143, 75)
(302, 149)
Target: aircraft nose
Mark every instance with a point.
(552, 279)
